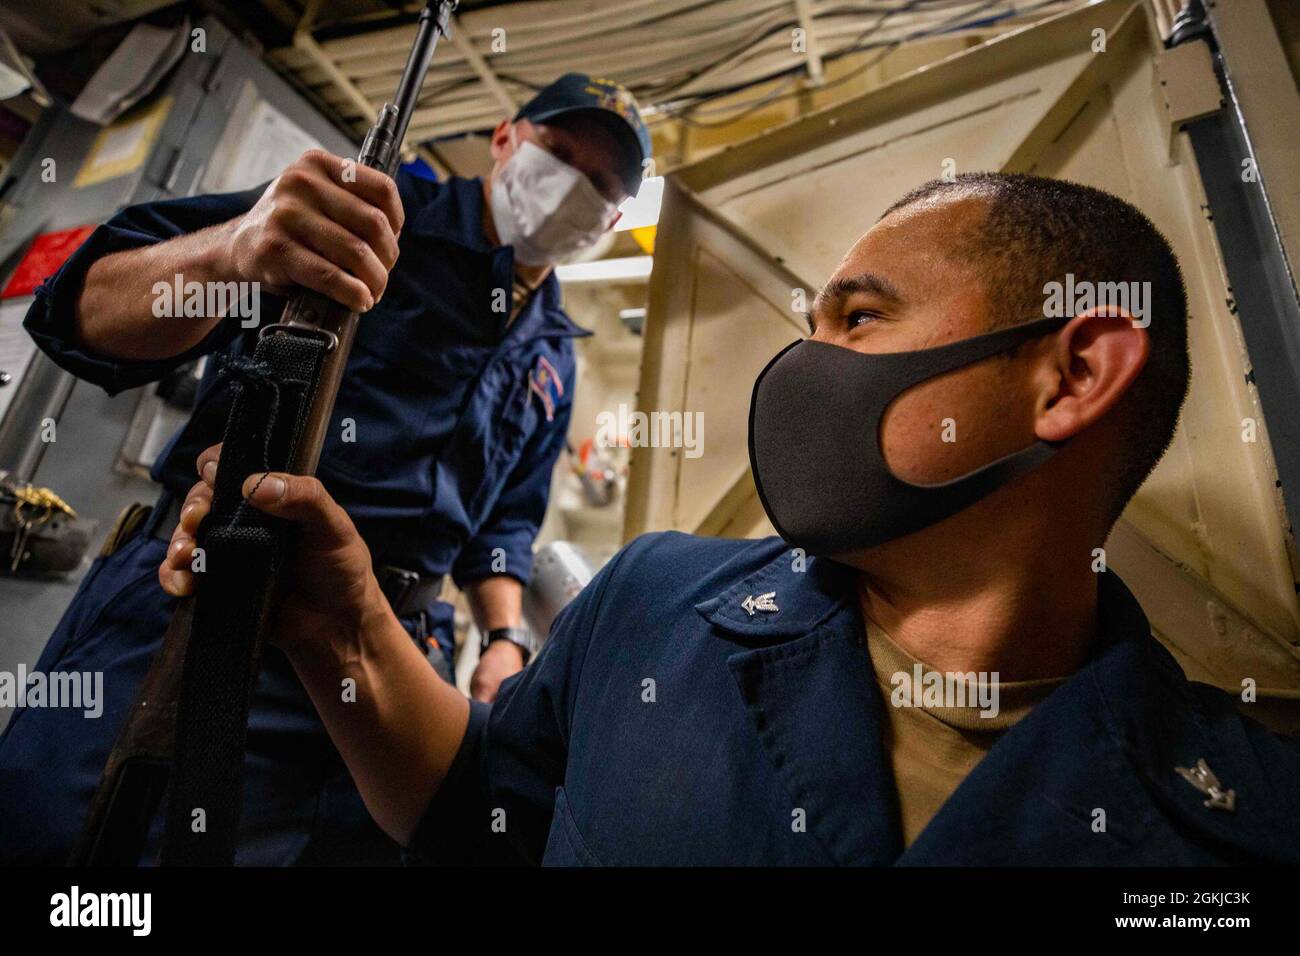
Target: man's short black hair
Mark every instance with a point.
(1037, 231)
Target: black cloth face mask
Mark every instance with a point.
(814, 442)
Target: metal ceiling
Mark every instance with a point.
(676, 55)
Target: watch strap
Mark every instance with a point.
(521, 637)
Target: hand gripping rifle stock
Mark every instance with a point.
(185, 732)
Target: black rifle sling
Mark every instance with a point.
(242, 549)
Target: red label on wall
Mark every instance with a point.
(43, 259)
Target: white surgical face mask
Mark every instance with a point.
(546, 209)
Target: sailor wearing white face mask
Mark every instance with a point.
(460, 387)
(544, 208)
(563, 166)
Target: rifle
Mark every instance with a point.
(185, 733)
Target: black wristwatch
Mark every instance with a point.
(521, 637)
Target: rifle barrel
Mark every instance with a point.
(431, 23)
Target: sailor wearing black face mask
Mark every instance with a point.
(952, 466)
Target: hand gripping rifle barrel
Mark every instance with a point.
(312, 313)
(168, 724)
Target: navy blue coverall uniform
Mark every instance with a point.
(667, 723)
(449, 472)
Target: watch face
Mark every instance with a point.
(522, 637)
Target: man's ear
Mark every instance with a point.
(500, 143)
(1095, 360)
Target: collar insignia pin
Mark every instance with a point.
(1203, 779)
(764, 602)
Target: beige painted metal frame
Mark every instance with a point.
(743, 234)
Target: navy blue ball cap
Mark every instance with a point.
(575, 92)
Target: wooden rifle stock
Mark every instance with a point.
(136, 774)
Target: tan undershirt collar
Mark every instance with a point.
(1014, 698)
